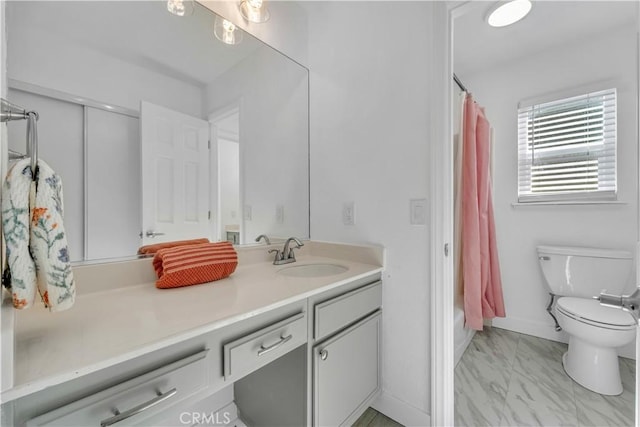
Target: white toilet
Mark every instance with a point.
(577, 275)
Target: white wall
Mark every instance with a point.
(369, 144)
(520, 229)
(42, 58)
(272, 93)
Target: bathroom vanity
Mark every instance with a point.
(274, 347)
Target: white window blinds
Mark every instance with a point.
(567, 149)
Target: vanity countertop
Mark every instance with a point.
(109, 326)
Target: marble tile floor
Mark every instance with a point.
(510, 379)
(373, 418)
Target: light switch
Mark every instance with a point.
(247, 213)
(280, 214)
(349, 213)
(418, 211)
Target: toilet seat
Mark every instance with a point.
(590, 311)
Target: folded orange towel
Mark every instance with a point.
(193, 264)
(152, 249)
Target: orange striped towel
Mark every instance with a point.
(152, 249)
(193, 264)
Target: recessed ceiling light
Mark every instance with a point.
(509, 12)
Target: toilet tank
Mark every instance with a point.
(584, 272)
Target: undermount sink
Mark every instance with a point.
(313, 270)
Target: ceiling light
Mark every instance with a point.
(180, 7)
(254, 11)
(509, 12)
(226, 31)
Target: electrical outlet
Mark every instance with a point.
(247, 213)
(280, 214)
(418, 211)
(349, 213)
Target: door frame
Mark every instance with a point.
(234, 107)
(441, 175)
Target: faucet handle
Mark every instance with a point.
(279, 256)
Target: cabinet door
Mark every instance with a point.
(346, 372)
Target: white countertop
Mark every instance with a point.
(110, 326)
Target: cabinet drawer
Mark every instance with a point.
(336, 313)
(140, 397)
(255, 350)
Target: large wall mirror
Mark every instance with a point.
(159, 130)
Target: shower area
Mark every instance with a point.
(478, 293)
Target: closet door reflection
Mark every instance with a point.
(60, 145)
(113, 184)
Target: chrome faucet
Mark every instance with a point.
(287, 255)
(263, 236)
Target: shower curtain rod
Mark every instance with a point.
(459, 83)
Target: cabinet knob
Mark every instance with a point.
(324, 354)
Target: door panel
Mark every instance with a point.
(346, 372)
(175, 175)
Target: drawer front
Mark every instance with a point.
(353, 354)
(255, 350)
(336, 313)
(141, 397)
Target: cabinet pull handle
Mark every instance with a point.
(265, 350)
(324, 354)
(119, 416)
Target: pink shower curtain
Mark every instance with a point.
(480, 267)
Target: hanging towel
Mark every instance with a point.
(194, 264)
(152, 249)
(37, 251)
(49, 241)
(16, 191)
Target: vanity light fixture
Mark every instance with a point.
(254, 11)
(180, 7)
(226, 31)
(508, 12)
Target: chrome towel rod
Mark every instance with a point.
(8, 112)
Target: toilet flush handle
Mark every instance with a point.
(628, 303)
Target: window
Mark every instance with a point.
(567, 149)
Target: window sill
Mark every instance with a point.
(568, 203)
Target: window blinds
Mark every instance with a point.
(567, 148)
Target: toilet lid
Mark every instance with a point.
(591, 311)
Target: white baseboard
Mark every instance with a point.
(401, 411)
(547, 331)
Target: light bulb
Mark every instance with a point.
(176, 7)
(226, 31)
(180, 7)
(254, 11)
(229, 27)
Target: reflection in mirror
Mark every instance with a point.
(159, 130)
(513, 373)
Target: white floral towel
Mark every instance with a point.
(47, 242)
(15, 227)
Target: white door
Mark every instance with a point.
(175, 175)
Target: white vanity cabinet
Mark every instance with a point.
(312, 361)
(346, 355)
